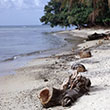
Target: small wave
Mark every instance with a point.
(8, 59)
(20, 55)
(29, 54)
(25, 55)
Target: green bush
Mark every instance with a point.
(78, 14)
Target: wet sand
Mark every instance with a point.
(20, 91)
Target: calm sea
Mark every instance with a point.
(19, 44)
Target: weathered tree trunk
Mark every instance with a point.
(96, 36)
(51, 97)
(71, 95)
(74, 88)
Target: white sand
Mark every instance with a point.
(99, 72)
(19, 92)
(85, 32)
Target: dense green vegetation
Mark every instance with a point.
(77, 12)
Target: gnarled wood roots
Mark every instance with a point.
(74, 89)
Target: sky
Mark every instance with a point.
(21, 12)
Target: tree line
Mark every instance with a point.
(66, 13)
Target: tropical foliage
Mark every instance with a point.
(77, 12)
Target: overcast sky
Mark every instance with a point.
(21, 12)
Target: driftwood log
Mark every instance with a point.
(51, 97)
(80, 82)
(75, 88)
(71, 95)
(85, 54)
(96, 36)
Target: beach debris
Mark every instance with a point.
(56, 62)
(71, 95)
(51, 97)
(76, 86)
(66, 83)
(107, 37)
(78, 67)
(58, 57)
(96, 36)
(100, 42)
(84, 54)
(72, 49)
(45, 80)
(76, 80)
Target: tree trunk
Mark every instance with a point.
(51, 97)
(109, 4)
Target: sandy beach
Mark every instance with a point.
(20, 91)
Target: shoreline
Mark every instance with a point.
(19, 91)
(68, 42)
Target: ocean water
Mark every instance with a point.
(19, 44)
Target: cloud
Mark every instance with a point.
(20, 4)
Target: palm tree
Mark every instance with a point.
(99, 7)
(109, 4)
